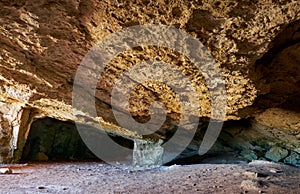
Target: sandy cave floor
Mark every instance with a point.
(96, 177)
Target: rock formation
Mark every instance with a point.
(256, 45)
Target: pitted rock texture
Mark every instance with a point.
(43, 42)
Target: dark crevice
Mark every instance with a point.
(276, 74)
(283, 40)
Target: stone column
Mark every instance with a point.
(10, 119)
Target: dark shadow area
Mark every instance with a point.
(226, 149)
(53, 140)
(277, 72)
(241, 142)
(216, 158)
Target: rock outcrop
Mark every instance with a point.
(256, 45)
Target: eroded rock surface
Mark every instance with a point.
(254, 43)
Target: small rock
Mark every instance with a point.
(249, 155)
(274, 170)
(5, 171)
(41, 187)
(260, 162)
(276, 153)
(250, 174)
(297, 150)
(249, 184)
(293, 159)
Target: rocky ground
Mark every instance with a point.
(96, 177)
(255, 45)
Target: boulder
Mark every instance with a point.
(276, 153)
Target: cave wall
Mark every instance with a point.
(255, 43)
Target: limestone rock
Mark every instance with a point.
(293, 159)
(5, 171)
(43, 43)
(276, 153)
(147, 154)
(250, 184)
(249, 155)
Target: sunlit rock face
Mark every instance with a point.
(254, 43)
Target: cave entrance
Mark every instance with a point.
(53, 140)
